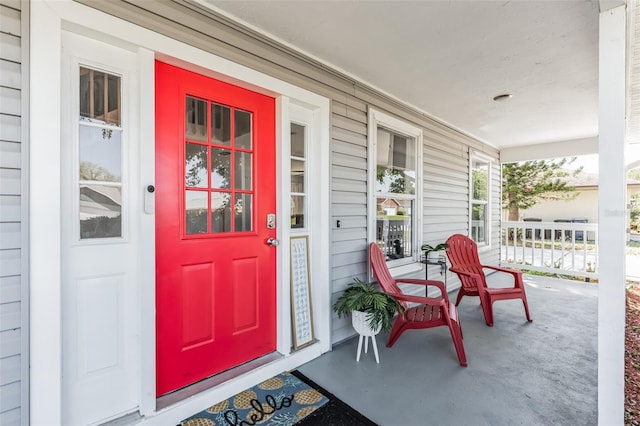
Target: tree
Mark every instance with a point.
(394, 180)
(527, 183)
(91, 171)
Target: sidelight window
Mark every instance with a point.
(298, 175)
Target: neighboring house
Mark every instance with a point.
(389, 206)
(196, 228)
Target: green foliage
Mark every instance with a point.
(480, 184)
(527, 183)
(426, 248)
(365, 297)
(397, 181)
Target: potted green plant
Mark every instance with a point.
(432, 253)
(364, 300)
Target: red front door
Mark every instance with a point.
(215, 187)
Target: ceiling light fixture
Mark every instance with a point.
(503, 97)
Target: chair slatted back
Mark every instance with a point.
(381, 271)
(463, 255)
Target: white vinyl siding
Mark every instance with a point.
(13, 304)
(445, 188)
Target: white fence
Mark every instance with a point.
(564, 248)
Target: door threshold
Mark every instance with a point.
(181, 394)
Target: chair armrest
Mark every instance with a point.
(421, 300)
(517, 275)
(466, 274)
(425, 283)
(476, 278)
(499, 269)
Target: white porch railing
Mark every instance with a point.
(564, 248)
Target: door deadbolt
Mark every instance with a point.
(271, 221)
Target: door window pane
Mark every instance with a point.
(99, 96)
(196, 165)
(242, 129)
(221, 125)
(196, 119)
(243, 208)
(220, 168)
(297, 211)
(220, 212)
(100, 153)
(243, 170)
(196, 212)
(100, 211)
(297, 175)
(297, 140)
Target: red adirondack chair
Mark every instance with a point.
(430, 311)
(463, 255)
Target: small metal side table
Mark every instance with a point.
(443, 269)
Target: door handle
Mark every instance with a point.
(273, 242)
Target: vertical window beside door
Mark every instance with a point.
(298, 175)
(395, 174)
(100, 154)
(480, 177)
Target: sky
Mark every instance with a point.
(590, 162)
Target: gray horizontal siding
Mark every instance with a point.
(445, 150)
(13, 359)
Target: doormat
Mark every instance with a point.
(281, 400)
(284, 400)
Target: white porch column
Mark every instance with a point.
(612, 214)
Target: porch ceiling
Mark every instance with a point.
(450, 58)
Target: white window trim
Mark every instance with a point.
(378, 118)
(480, 156)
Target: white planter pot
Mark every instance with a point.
(361, 324)
(433, 256)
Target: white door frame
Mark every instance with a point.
(48, 19)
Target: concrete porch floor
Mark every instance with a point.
(519, 373)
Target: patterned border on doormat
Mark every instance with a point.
(282, 400)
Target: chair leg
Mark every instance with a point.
(526, 307)
(396, 331)
(459, 298)
(456, 335)
(487, 308)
